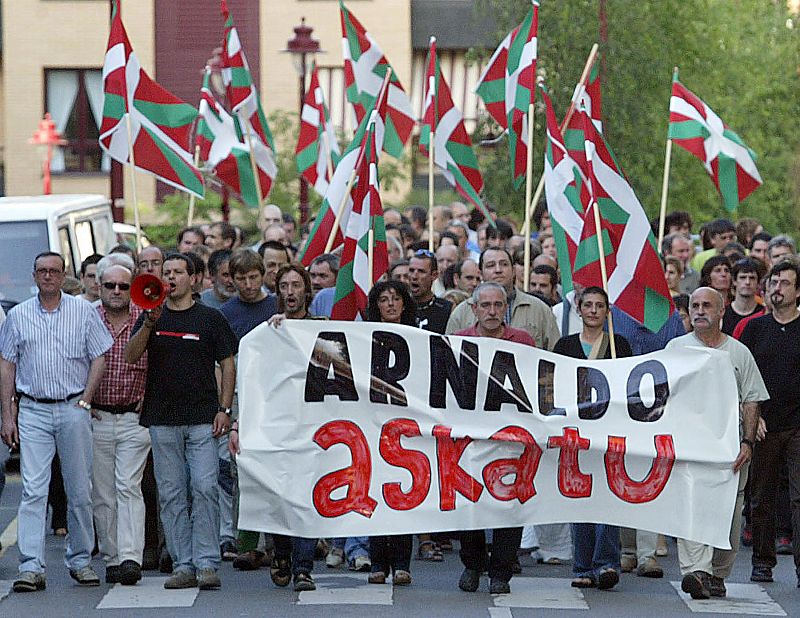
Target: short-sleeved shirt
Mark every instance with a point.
(122, 383)
(730, 319)
(433, 315)
(53, 350)
(244, 317)
(181, 354)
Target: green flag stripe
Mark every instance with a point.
(344, 282)
(247, 185)
(179, 166)
(240, 77)
(687, 129)
(656, 310)
(493, 91)
(588, 251)
(308, 157)
(114, 106)
(462, 154)
(611, 212)
(167, 115)
(728, 184)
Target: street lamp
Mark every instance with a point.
(45, 138)
(301, 44)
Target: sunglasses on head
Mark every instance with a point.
(124, 287)
(423, 252)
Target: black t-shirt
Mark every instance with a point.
(776, 348)
(181, 353)
(434, 314)
(730, 318)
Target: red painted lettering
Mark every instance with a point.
(572, 483)
(414, 461)
(648, 489)
(452, 477)
(524, 468)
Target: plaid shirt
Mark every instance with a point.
(122, 384)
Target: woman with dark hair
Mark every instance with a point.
(716, 274)
(391, 302)
(596, 550)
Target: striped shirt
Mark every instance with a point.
(52, 350)
(122, 383)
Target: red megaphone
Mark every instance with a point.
(148, 291)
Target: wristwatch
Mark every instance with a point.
(748, 442)
(224, 410)
(84, 404)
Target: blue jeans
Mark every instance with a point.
(4, 456)
(178, 451)
(43, 429)
(226, 491)
(595, 547)
(353, 546)
(300, 549)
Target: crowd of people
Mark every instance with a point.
(131, 416)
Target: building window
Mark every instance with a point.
(74, 98)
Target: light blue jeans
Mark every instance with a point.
(5, 454)
(353, 546)
(192, 540)
(226, 491)
(43, 429)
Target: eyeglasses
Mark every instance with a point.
(124, 287)
(53, 272)
(424, 252)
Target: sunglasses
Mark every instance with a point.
(124, 287)
(424, 252)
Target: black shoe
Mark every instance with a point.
(716, 586)
(129, 573)
(228, 551)
(695, 584)
(303, 582)
(469, 581)
(112, 574)
(150, 559)
(761, 574)
(165, 562)
(498, 586)
(516, 567)
(280, 571)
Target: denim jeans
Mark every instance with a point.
(192, 541)
(5, 454)
(595, 547)
(505, 544)
(353, 546)
(43, 430)
(226, 491)
(391, 553)
(300, 549)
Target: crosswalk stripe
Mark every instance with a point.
(747, 599)
(542, 593)
(8, 537)
(5, 588)
(499, 612)
(148, 593)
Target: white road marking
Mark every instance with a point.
(543, 593)
(5, 588)
(499, 612)
(9, 536)
(149, 592)
(341, 589)
(749, 599)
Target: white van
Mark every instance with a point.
(76, 226)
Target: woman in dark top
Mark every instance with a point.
(595, 546)
(391, 302)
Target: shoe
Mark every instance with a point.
(469, 580)
(250, 560)
(553, 561)
(85, 576)
(650, 568)
(228, 552)
(303, 582)
(695, 584)
(207, 579)
(607, 579)
(62, 532)
(428, 551)
(498, 586)
(761, 574)
(112, 574)
(150, 559)
(280, 571)
(627, 562)
(321, 550)
(747, 536)
(784, 546)
(716, 586)
(335, 558)
(29, 581)
(361, 563)
(180, 580)
(165, 562)
(516, 567)
(401, 578)
(377, 577)
(129, 573)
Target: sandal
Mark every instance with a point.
(583, 582)
(607, 579)
(429, 552)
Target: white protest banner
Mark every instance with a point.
(364, 428)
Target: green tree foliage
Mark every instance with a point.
(742, 57)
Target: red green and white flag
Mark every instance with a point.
(695, 127)
(326, 218)
(364, 69)
(520, 81)
(316, 144)
(636, 283)
(567, 196)
(226, 152)
(589, 97)
(453, 153)
(160, 123)
(491, 86)
(355, 276)
(240, 89)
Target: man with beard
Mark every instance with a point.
(222, 289)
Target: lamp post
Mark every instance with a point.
(45, 138)
(301, 44)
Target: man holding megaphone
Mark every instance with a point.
(185, 412)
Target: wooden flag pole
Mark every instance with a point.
(526, 275)
(253, 165)
(328, 157)
(192, 196)
(371, 254)
(665, 187)
(604, 274)
(132, 163)
(570, 112)
(431, 150)
(340, 211)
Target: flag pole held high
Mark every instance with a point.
(662, 214)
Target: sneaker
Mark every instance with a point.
(695, 584)
(761, 574)
(112, 574)
(716, 586)
(129, 573)
(303, 582)
(361, 563)
(783, 547)
(627, 562)
(85, 576)
(469, 580)
(207, 579)
(498, 586)
(650, 568)
(377, 577)
(335, 558)
(250, 560)
(180, 580)
(280, 571)
(401, 578)
(228, 552)
(29, 581)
